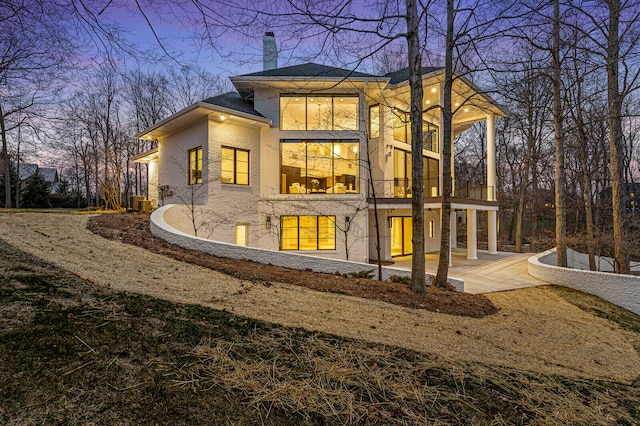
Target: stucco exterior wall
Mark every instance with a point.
(152, 181)
(231, 204)
(622, 290)
(161, 229)
(172, 164)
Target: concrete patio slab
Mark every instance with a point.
(489, 273)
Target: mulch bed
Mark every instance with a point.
(133, 228)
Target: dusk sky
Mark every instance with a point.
(233, 54)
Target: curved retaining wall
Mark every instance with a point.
(161, 229)
(622, 290)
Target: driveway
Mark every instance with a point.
(489, 273)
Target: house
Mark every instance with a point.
(630, 194)
(26, 172)
(291, 162)
(29, 170)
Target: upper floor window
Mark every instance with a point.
(402, 174)
(329, 167)
(319, 112)
(374, 121)
(195, 166)
(235, 166)
(402, 131)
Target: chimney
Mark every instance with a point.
(269, 52)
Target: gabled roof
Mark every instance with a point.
(403, 74)
(50, 174)
(310, 69)
(233, 101)
(27, 170)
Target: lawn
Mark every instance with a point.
(75, 353)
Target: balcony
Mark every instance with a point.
(400, 188)
(468, 190)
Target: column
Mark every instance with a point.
(472, 235)
(492, 231)
(491, 157)
(453, 240)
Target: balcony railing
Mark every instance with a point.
(401, 188)
(467, 189)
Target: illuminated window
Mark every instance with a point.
(401, 127)
(374, 121)
(308, 233)
(432, 230)
(235, 166)
(319, 112)
(242, 234)
(402, 131)
(402, 173)
(195, 166)
(319, 167)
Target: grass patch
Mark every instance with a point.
(83, 354)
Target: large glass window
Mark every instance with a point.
(402, 173)
(402, 131)
(345, 113)
(319, 112)
(319, 167)
(308, 232)
(235, 166)
(195, 166)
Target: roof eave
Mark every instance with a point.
(211, 107)
(146, 156)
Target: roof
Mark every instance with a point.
(49, 174)
(233, 100)
(310, 69)
(403, 74)
(211, 108)
(27, 170)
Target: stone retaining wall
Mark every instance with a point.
(161, 229)
(622, 290)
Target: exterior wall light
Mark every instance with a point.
(268, 223)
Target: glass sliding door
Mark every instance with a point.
(401, 233)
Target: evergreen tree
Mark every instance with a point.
(36, 194)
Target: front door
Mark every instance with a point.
(401, 232)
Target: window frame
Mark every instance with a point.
(235, 165)
(198, 161)
(355, 188)
(331, 219)
(427, 177)
(333, 113)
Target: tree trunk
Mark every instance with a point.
(417, 183)
(523, 195)
(560, 179)
(615, 138)
(447, 116)
(6, 167)
(375, 212)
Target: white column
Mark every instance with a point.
(453, 240)
(491, 157)
(472, 235)
(441, 141)
(492, 232)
